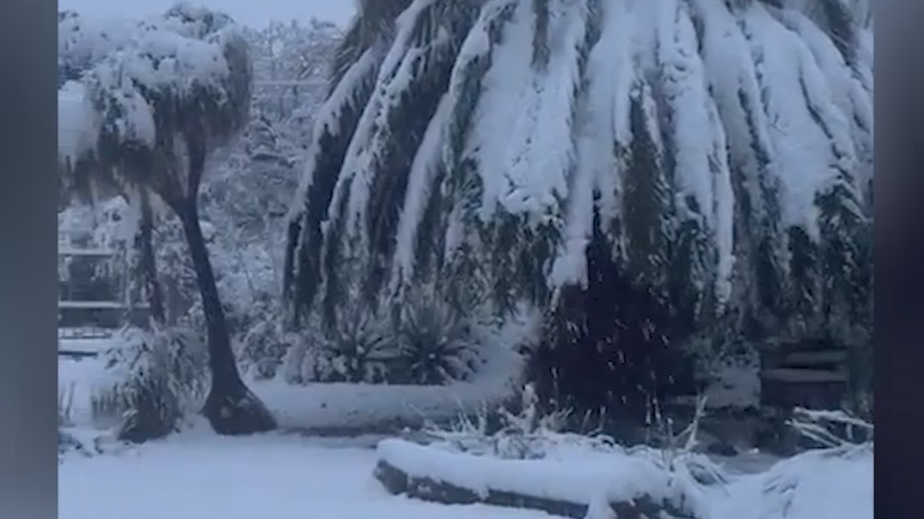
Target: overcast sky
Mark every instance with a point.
(250, 12)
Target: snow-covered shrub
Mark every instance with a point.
(521, 434)
(528, 433)
(359, 347)
(156, 378)
(436, 343)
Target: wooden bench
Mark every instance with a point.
(811, 375)
(813, 378)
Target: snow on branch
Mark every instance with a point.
(817, 425)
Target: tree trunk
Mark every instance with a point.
(148, 263)
(230, 406)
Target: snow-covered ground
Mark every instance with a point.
(197, 475)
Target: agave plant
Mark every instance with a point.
(436, 343)
(360, 348)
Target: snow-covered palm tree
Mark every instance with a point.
(708, 160)
(152, 101)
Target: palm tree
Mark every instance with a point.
(157, 108)
(708, 159)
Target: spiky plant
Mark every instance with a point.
(436, 345)
(143, 119)
(360, 348)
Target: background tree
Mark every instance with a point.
(158, 105)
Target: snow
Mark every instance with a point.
(579, 478)
(336, 406)
(280, 476)
(419, 190)
(358, 407)
(327, 120)
(698, 142)
(198, 474)
(78, 378)
(115, 62)
(76, 123)
(816, 484)
(102, 305)
(394, 75)
(782, 61)
(610, 73)
(834, 483)
(524, 164)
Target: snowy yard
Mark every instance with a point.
(198, 474)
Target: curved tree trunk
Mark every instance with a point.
(230, 406)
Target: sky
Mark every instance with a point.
(256, 13)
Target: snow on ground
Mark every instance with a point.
(837, 484)
(357, 406)
(76, 381)
(199, 475)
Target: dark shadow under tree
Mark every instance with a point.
(605, 350)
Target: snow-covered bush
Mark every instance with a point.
(155, 379)
(523, 433)
(528, 433)
(523, 460)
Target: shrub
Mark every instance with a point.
(358, 348)
(156, 379)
